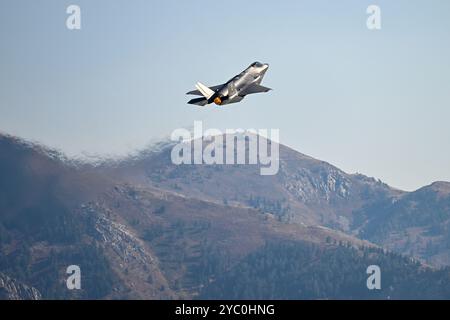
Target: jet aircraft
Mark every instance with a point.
(235, 89)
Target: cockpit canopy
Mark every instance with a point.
(257, 64)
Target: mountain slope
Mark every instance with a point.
(305, 190)
(309, 192)
(296, 270)
(11, 289)
(42, 231)
(417, 223)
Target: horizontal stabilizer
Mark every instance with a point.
(199, 101)
(198, 93)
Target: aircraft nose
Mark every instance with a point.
(266, 66)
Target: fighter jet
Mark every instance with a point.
(234, 90)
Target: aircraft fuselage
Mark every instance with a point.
(251, 75)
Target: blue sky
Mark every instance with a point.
(375, 102)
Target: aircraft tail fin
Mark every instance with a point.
(205, 91)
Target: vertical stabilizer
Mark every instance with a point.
(204, 90)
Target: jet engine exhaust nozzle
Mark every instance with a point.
(218, 101)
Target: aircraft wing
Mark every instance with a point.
(198, 93)
(254, 88)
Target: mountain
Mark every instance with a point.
(144, 228)
(310, 192)
(305, 190)
(417, 223)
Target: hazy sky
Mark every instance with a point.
(375, 102)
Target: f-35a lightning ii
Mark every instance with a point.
(234, 90)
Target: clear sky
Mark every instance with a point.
(374, 102)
